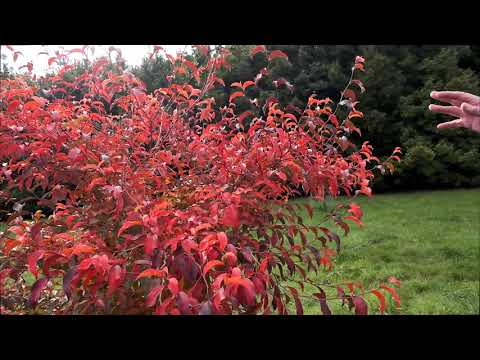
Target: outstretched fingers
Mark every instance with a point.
(455, 98)
(457, 123)
(448, 110)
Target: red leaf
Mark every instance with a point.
(127, 225)
(351, 126)
(257, 49)
(206, 308)
(394, 294)
(153, 295)
(222, 240)
(361, 307)
(247, 83)
(74, 154)
(231, 217)
(51, 61)
(359, 59)
(248, 289)
(203, 49)
(82, 249)
(381, 299)
(290, 116)
(230, 258)
(344, 226)
(13, 106)
(37, 287)
(355, 210)
(180, 70)
(235, 95)
(200, 227)
(359, 66)
(332, 236)
(277, 54)
(173, 285)
(152, 273)
(355, 113)
(191, 65)
(188, 245)
(359, 84)
(32, 260)
(35, 231)
(264, 264)
(151, 243)
(67, 280)
(341, 294)
(47, 263)
(31, 106)
(242, 116)
(282, 175)
(211, 264)
(393, 280)
(350, 94)
(115, 279)
(298, 303)
(322, 298)
(247, 254)
(220, 81)
(354, 219)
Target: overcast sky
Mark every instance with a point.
(133, 54)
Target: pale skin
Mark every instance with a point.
(464, 106)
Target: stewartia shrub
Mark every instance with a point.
(164, 203)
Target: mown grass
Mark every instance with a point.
(428, 240)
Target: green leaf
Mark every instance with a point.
(28, 277)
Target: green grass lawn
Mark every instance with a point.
(428, 240)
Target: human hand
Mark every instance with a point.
(465, 106)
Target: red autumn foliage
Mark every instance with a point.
(170, 207)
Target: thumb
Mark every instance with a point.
(471, 109)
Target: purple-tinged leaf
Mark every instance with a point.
(206, 309)
(35, 231)
(37, 287)
(322, 298)
(67, 280)
(361, 307)
(298, 303)
(152, 297)
(32, 261)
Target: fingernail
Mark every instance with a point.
(432, 93)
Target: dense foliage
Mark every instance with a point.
(168, 203)
(399, 81)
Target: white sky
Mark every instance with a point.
(133, 54)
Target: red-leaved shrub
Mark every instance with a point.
(165, 203)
